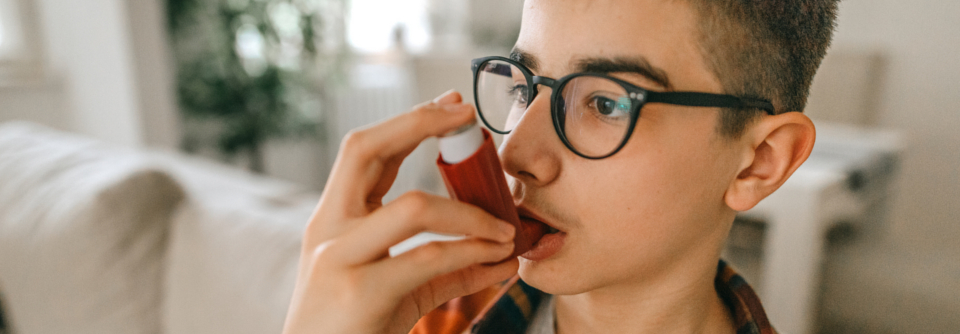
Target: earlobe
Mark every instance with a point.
(776, 146)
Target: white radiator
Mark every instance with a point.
(377, 92)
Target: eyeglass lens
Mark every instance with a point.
(593, 112)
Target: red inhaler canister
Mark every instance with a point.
(471, 170)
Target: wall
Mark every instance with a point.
(38, 96)
(154, 72)
(107, 73)
(909, 280)
(921, 95)
(88, 45)
(42, 102)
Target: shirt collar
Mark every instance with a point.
(512, 312)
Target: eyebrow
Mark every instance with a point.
(637, 65)
(525, 58)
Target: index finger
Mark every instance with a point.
(416, 212)
(369, 158)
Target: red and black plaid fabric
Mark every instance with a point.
(508, 307)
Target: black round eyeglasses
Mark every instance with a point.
(593, 114)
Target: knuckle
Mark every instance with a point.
(349, 288)
(354, 142)
(350, 282)
(314, 230)
(324, 252)
(421, 116)
(429, 253)
(504, 251)
(321, 229)
(415, 203)
(426, 118)
(314, 227)
(354, 283)
(480, 250)
(486, 251)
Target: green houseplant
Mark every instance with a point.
(252, 70)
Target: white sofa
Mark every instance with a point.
(101, 239)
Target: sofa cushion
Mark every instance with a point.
(232, 261)
(83, 227)
(233, 250)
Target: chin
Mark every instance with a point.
(551, 276)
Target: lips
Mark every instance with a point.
(527, 215)
(532, 230)
(547, 239)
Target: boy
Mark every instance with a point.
(637, 130)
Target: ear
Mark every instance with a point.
(773, 148)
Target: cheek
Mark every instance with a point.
(661, 188)
(652, 202)
(649, 203)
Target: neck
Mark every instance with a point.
(683, 301)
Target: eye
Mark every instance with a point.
(608, 107)
(603, 105)
(519, 93)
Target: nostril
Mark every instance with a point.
(527, 175)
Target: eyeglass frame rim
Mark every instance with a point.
(638, 96)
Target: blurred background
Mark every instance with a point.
(865, 239)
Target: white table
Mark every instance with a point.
(848, 172)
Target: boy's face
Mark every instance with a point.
(656, 206)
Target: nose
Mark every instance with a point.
(531, 152)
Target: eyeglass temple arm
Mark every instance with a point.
(692, 99)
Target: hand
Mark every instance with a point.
(347, 282)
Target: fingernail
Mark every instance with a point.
(444, 95)
(458, 107)
(438, 98)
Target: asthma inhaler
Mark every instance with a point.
(471, 170)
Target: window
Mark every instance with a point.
(373, 23)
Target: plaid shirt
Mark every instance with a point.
(508, 307)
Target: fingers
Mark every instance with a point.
(369, 157)
(438, 263)
(466, 281)
(415, 212)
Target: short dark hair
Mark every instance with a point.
(767, 49)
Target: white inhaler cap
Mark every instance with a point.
(460, 144)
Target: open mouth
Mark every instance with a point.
(552, 230)
(533, 229)
(532, 219)
(535, 225)
(541, 240)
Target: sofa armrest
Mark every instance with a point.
(83, 226)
